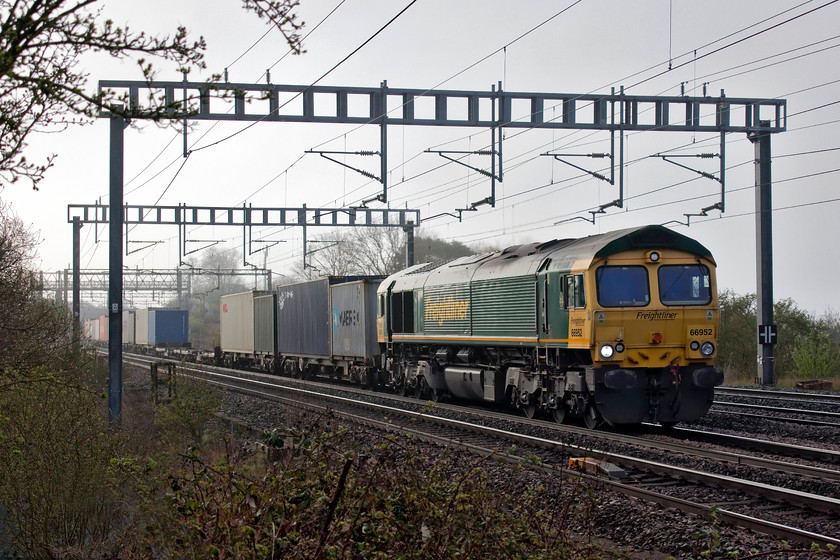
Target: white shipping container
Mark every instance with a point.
(141, 326)
(236, 324)
(128, 327)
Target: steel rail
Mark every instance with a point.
(785, 419)
(825, 413)
(787, 449)
(779, 395)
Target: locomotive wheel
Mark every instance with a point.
(435, 395)
(592, 418)
(530, 410)
(559, 413)
(424, 392)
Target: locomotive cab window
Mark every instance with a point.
(380, 305)
(622, 286)
(688, 284)
(574, 296)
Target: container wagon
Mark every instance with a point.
(328, 326)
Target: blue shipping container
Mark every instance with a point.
(168, 326)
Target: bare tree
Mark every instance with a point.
(353, 251)
(43, 88)
(373, 251)
(32, 329)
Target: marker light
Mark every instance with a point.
(607, 351)
(695, 345)
(619, 347)
(656, 338)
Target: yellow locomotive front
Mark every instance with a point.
(655, 323)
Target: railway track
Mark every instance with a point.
(668, 484)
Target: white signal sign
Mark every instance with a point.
(767, 334)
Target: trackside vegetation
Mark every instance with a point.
(808, 348)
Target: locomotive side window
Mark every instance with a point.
(402, 312)
(574, 296)
(688, 284)
(380, 306)
(622, 286)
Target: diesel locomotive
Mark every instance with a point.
(619, 327)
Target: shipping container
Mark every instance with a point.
(103, 328)
(247, 323)
(354, 319)
(168, 327)
(141, 326)
(265, 314)
(128, 327)
(305, 317)
(93, 329)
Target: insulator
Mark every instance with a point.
(367, 153)
(598, 155)
(369, 175)
(483, 153)
(707, 156)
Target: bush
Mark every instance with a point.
(331, 498)
(56, 480)
(816, 355)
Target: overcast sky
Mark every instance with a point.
(589, 48)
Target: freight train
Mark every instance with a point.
(617, 328)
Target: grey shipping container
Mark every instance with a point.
(303, 319)
(354, 319)
(265, 314)
(128, 327)
(247, 323)
(141, 326)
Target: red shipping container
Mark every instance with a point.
(103, 328)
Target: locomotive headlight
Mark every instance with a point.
(653, 256)
(707, 349)
(695, 345)
(607, 351)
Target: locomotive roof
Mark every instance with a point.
(527, 258)
(643, 237)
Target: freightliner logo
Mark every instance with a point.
(656, 315)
